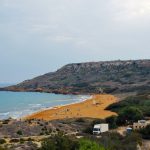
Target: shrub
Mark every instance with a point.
(134, 137)
(30, 139)
(2, 141)
(14, 140)
(97, 121)
(1, 148)
(22, 141)
(129, 115)
(145, 132)
(140, 101)
(85, 144)
(19, 132)
(80, 120)
(48, 145)
(112, 121)
(46, 123)
(89, 128)
(108, 141)
(6, 121)
(115, 141)
(42, 133)
(29, 121)
(59, 142)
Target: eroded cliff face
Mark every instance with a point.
(92, 77)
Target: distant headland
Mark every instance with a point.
(91, 78)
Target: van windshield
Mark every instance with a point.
(96, 129)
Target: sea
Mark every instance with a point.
(20, 104)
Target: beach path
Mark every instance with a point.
(92, 108)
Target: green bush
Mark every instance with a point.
(108, 141)
(112, 121)
(42, 133)
(59, 142)
(14, 141)
(22, 141)
(1, 148)
(129, 115)
(2, 141)
(140, 101)
(133, 139)
(48, 145)
(115, 141)
(88, 130)
(85, 144)
(145, 132)
(19, 132)
(30, 139)
(97, 121)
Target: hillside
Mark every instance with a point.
(92, 77)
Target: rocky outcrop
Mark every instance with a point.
(92, 77)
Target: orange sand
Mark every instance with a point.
(92, 108)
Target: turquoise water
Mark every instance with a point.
(19, 104)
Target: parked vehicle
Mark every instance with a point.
(129, 130)
(100, 128)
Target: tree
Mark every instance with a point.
(145, 132)
(129, 115)
(112, 122)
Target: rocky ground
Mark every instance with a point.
(28, 134)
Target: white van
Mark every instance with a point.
(100, 128)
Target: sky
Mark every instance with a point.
(40, 36)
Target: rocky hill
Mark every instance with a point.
(92, 77)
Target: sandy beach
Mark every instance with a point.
(92, 108)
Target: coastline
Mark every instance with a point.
(17, 105)
(94, 107)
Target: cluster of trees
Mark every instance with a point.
(130, 110)
(140, 101)
(125, 117)
(62, 142)
(145, 132)
(109, 141)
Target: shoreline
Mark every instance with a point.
(93, 107)
(44, 101)
(56, 107)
